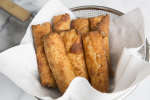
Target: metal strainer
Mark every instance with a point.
(92, 11)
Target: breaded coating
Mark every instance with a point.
(58, 61)
(39, 31)
(45, 73)
(103, 27)
(95, 21)
(96, 61)
(101, 24)
(61, 22)
(46, 76)
(81, 25)
(73, 45)
(106, 47)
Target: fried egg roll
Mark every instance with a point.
(103, 27)
(74, 49)
(61, 22)
(45, 73)
(58, 61)
(101, 24)
(95, 21)
(81, 25)
(96, 61)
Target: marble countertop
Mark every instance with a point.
(12, 31)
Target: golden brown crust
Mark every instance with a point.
(58, 61)
(95, 21)
(106, 47)
(45, 73)
(81, 25)
(61, 22)
(69, 37)
(74, 49)
(46, 76)
(101, 24)
(103, 27)
(96, 61)
(39, 31)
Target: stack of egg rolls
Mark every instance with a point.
(74, 48)
(97, 26)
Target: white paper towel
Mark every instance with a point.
(19, 63)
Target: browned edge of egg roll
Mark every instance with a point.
(103, 28)
(96, 61)
(45, 73)
(61, 22)
(81, 25)
(58, 60)
(74, 49)
(101, 24)
(95, 21)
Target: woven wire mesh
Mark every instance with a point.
(92, 11)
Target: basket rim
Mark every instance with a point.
(95, 7)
